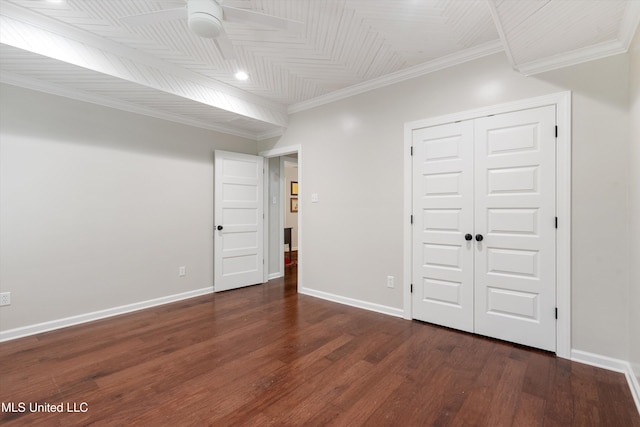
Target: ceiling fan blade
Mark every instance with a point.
(155, 17)
(225, 47)
(245, 15)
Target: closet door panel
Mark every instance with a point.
(443, 215)
(515, 214)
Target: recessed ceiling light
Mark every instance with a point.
(241, 75)
(55, 1)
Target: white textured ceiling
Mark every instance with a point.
(82, 49)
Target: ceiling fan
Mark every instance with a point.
(205, 18)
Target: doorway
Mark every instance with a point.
(283, 210)
(290, 166)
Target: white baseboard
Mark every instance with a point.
(635, 368)
(275, 275)
(611, 364)
(38, 328)
(391, 311)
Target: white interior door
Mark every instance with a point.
(515, 210)
(443, 215)
(491, 179)
(239, 222)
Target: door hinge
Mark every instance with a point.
(412, 150)
(556, 312)
(556, 131)
(412, 288)
(411, 219)
(556, 222)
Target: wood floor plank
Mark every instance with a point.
(559, 408)
(309, 398)
(475, 409)
(529, 411)
(507, 391)
(265, 355)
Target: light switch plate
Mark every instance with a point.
(5, 298)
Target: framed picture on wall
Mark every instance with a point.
(294, 188)
(294, 204)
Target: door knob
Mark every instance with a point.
(468, 237)
(219, 227)
(479, 237)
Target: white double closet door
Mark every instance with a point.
(484, 232)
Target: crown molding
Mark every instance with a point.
(78, 95)
(575, 57)
(271, 134)
(399, 76)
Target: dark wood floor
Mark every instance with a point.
(265, 355)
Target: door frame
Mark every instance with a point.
(562, 102)
(280, 152)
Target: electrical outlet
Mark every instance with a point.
(182, 271)
(390, 282)
(5, 298)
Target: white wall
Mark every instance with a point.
(634, 197)
(99, 208)
(290, 218)
(353, 236)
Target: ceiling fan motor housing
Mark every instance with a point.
(205, 18)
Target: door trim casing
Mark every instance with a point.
(562, 102)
